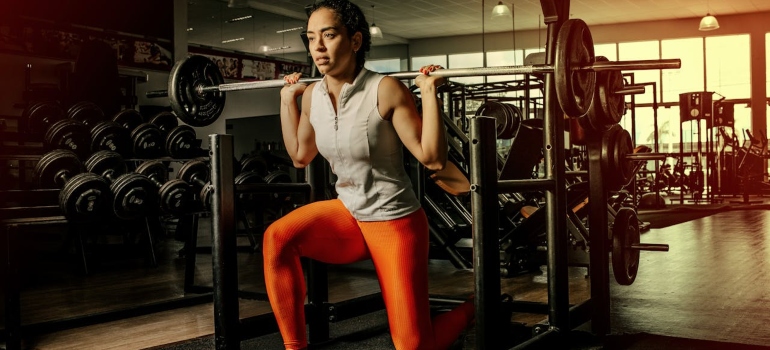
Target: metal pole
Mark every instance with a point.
(224, 246)
(317, 274)
(486, 261)
(556, 199)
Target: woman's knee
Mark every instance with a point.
(275, 241)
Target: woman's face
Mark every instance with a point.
(332, 48)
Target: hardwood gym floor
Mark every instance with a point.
(711, 285)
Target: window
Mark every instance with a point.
(642, 50)
(728, 66)
(388, 65)
(607, 50)
(418, 62)
(688, 78)
(504, 58)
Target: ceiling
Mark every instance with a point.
(403, 20)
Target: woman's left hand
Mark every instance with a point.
(426, 80)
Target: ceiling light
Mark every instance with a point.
(264, 48)
(500, 10)
(238, 19)
(190, 29)
(231, 40)
(708, 22)
(276, 48)
(374, 30)
(288, 30)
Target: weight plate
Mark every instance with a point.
(186, 78)
(495, 110)
(106, 164)
(625, 259)
(611, 104)
(39, 116)
(87, 112)
(84, 197)
(624, 167)
(254, 163)
(134, 196)
(176, 197)
(205, 195)
(165, 121)
(110, 136)
(55, 167)
(147, 141)
(180, 142)
(574, 86)
(154, 169)
(250, 201)
(609, 167)
(128, 118)
(514, 122)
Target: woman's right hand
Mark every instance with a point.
(293, 87)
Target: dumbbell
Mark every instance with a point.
(133, 195)
(175, 196)
(196, 173)
(180, 140)
(87, 112)
(68, 134)
(39, 116)
(83, 195)
(145, 139)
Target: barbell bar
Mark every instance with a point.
(196, 85)
(672, 63)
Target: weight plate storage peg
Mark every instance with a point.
(194, 107)
(83, 196)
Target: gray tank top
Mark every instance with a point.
(363, 150)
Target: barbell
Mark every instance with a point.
(196, 87)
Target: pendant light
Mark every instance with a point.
(708, 22)
(500, 10)
(374, 30)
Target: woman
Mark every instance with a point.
(359, 121)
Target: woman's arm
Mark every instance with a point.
(298, 134)
(423, 137)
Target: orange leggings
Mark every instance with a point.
(325, 231)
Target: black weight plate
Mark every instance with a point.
(147, 141)
(625, 233)
(110, 136)
(165, 121)
(76, 106)
(495, 110)
(609, 140)
(180, 142)
(574, 49)
(624, 167)
(194, 171)
(186, 77)
(176, 197)
(514, 122)
(250, 200)
(205, 195)
(85, 196)
(41, 115)
(134, 196)
(254, 163)
(128, 118)
(86, 112)
(154, 169)
(278, 177)
(55, 167)
(106, 163)
(70, 135)
(611, 104)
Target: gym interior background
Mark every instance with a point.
(117, 291)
